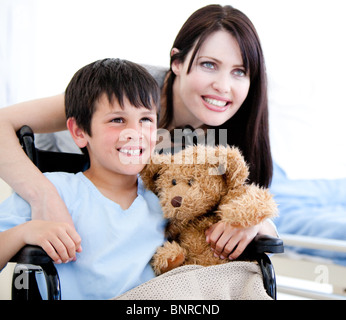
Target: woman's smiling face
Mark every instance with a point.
(216, 86)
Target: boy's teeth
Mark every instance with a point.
(217, 103)
(131, 152)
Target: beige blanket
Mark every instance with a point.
(236, 280)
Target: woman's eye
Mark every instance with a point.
(209, 65)
(239, 73)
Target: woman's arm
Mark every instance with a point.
(43, 115)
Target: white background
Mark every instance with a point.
(43, 43)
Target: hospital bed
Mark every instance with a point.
(312, 224)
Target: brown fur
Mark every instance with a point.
(211, 182)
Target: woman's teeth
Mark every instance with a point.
(215, 102)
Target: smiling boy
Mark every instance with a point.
(111, 107)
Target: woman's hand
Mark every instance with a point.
(58, 239)
(229, 242)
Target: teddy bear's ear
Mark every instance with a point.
(232, 164)
(157, 165)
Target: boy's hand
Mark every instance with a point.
(229, 242)
(58, 239)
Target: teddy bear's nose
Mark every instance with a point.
(176, 202)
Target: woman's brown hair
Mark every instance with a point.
(248, 129)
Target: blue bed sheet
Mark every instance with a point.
(315, 208)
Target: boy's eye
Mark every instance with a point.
(146, 119)
(118, 120)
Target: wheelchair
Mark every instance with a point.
(32, 260)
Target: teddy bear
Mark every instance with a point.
(197, 187)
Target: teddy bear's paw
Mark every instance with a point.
(174, 263)
(168, 257)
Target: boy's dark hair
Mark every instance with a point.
(116, 78)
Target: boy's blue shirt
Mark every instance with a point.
(117, 244)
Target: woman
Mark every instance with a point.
(216, 80)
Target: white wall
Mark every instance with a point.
(43, 42)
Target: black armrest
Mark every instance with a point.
(36, 256)
(31, 255)
(264, 243)
(260, 245)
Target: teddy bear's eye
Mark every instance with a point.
(190, 182)
(174, 182)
